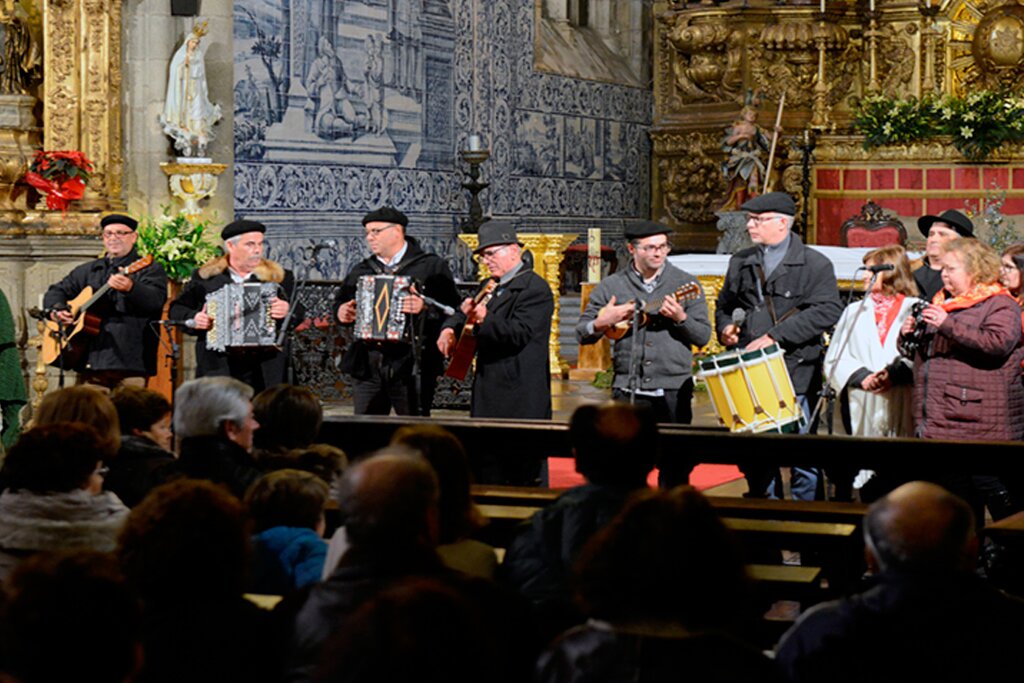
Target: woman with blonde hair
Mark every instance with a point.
(879, 405)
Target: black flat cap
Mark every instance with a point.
(953, 218)
(118, 219)
(635, 231)
(240, 227)
(386, 214)
(496, 232)
(772, 202)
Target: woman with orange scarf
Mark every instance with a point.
(967, 373)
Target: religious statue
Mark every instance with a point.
(746, 145)
(189, 115)
(20, 60)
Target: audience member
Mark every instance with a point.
(324, 460)
(927, 617)
(389, 502)
(665, 591)
(615, 446)
(398, 636)
(1011, 271)
(52, 497)
(286, 508)
(146, 442)
(69, 617)
(84, 403)
(213, 419)
(184, 551)
(289, 418)
(457, 516)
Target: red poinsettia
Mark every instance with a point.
(60, 175)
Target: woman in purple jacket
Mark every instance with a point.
(967, 371)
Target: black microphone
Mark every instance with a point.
(178, 323)
(881, 268)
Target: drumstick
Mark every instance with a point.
(775, 140)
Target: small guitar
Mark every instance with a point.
(465, 348)
(687, 292)
(74, 342)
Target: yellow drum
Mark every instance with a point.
(751, 391)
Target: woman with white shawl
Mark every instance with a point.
(871, 378)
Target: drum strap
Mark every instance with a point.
(767, 299)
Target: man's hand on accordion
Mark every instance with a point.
(412, 303)
(347, 312)
(202, 320)
(278, 308)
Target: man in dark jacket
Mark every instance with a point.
(938, 230)
(242, 262)
(383, 371)
(125, 346)
(927, 616)
(788, 296)
(615, 446)
(213, 419)
(513, 376)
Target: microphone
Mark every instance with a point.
(739, 316)
(178, 323)
(879, 268)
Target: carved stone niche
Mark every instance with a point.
(690, 182)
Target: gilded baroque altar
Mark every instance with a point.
(708, 57)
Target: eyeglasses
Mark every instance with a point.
(652, 248)
(758, 220)
(375, 232)
(111, 234)
(102, 471)
(491, 253)
(1005, 266)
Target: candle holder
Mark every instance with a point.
(804, 145)
(476, 213)
(929, 11)
(819, 108)
(872, 34)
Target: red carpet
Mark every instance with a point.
(562, 475)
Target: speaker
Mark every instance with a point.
(184, 8)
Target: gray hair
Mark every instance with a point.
(233, 241)
(202, 406)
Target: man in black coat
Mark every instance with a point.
(513, 376)
(938, 230)
(125, 348)
(242, 262)
(383, 371)
(789, 297)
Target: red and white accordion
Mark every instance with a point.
(241, 316)
(379, 315)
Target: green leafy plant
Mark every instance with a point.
(978, 123)
(993, 225)
(887, 121)
(176, 243)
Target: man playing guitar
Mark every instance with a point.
(124, 349)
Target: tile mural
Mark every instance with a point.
(344, 105)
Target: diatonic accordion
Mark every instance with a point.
(379, 313)
(241, 316)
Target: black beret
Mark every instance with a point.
(240, 227)
(496, 232)
(386, 214)
(773, 202)
(635, 231)
(118, 219)
(951, 217)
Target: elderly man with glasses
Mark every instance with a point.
(382, 371)
(779, 292)
(664, 363)
(124, 350)
(513, 377)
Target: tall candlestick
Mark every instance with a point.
(871, 5)
(594, 255)
(822, 6)
(474, 143)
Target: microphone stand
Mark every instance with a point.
(839, 354)
(173, 353)
(633, 383)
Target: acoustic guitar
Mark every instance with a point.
(74, 342)
(465, 348)
(687, 292)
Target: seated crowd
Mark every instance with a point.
(130, 556)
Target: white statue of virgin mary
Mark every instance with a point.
(189, 115)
